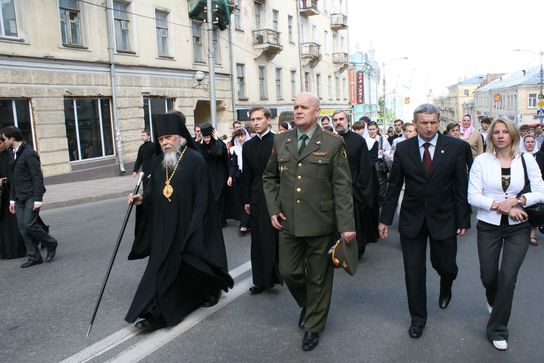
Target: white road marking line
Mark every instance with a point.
(102, 346)
(160, 338)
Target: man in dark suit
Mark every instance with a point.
(26, 198)
(434, 207)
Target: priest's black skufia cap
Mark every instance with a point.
(168, 124)
(206, 129)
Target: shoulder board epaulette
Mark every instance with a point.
(331, 133)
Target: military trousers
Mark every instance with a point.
(305, 266)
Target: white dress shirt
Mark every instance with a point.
(432, 145)
(485, 185)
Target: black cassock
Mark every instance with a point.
(184, 242)
(264, 238)
(11, 243)
(360, 165)
(217, 159)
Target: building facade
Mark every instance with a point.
(83, 78)
(364, 85)
(451, 106)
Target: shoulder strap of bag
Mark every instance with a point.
(527, 186)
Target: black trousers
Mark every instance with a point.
(31, 230)
(443, 260)
(500, 281)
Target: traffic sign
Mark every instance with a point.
(540, 113)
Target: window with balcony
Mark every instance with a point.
(122, 26)
(88, 128)
(262, 82)
(241, 80)
(154, 106)
(279, 94)
(197, 41)
(275, 20)
(70, 23)
(258, 9)
(161, 27)
(238, 15)
(532, 100)
(8, 19)
(17, 112)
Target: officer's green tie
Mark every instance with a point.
(303, 144)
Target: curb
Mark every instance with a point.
(77, 201)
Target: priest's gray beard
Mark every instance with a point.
(171, 158)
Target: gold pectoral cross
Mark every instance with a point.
(167, 191)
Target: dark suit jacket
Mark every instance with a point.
(27, 175)
(440, 199)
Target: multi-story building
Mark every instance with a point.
(364, 83)
(512, 96)
(83, 78)
(451, 106)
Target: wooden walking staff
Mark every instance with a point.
(127, 215)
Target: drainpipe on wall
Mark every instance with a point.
(301, 71)
(232, 70)
(211, 64)
(118, 140)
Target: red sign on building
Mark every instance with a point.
(352, 88)
(360, 87)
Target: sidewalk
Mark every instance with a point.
(62, 195)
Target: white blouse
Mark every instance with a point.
(485, 185)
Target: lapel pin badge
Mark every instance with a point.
(442, 151)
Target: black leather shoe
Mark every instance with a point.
(149, 325)
(445, 295)
(311, 340)
(415, 331)
(257, 289)
(301, 318)
(31, 263)
(51, 252)
(211, 300)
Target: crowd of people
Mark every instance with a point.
(298, 190)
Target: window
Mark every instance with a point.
(290, 28)
(241, 79)
(325, 42)
(155, 106)
(329, 87)
(161, 25)
(318, 85)
(279, 94)
(238, 15)
(8, 19)
(293, 84)
(532, 100)
(16, 112)
(197, 41)
(307, 81)
(337, 79)
(465, 92)
(70, 23)
(262, 82)
(257, 16)
(275, 17)
(88, 128)
(122, 27)
(215, 40)
(344, 88)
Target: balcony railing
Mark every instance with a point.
(311, 50)
(340, 58)
(308, 7)
(339, 21)
(268, 41)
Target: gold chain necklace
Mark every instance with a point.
(167, 191)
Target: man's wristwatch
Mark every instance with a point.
(519, 202)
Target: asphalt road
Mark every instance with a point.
(45, 310)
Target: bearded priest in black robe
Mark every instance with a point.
(179, 230)
(264, 238)
(361, 175)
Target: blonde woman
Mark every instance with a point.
(496, 178)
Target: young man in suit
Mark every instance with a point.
(434, 207)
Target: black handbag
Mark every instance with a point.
(535, 212)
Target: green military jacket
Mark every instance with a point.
(312, 190)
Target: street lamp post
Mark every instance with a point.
(384, 92)
(541, 93)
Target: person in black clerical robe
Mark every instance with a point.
(11, 243)
(146, 152)
(361, 176)
(216, 156)
(187, 264)
(264, 238)
(235, 181)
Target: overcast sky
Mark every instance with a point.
(446, 41)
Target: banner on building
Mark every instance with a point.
(352, 91)
(360, 87)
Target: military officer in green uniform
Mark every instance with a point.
(307, 184)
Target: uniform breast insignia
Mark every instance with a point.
(318, 153)
(282, 169)
(442, 151)
(344, 153)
